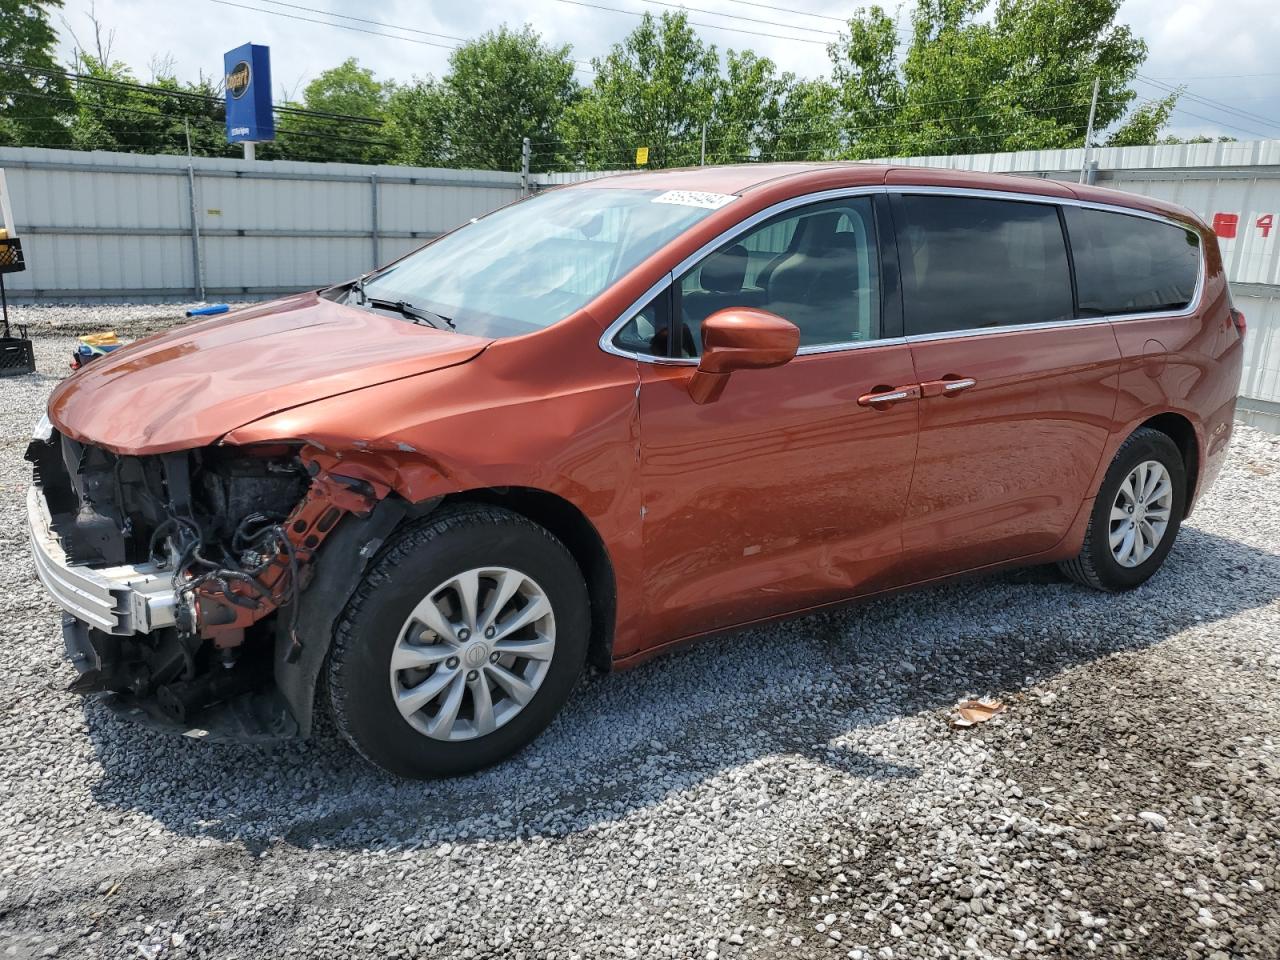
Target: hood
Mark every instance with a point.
(189, 386)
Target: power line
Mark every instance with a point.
(379, 23)
(692, 23)
(376, 23)
(179, 94)
(1221, 76)
(734, 16)
(1210, 102)
(803, 13)
(209, 122)
(354, 29)
(340, 26)
(884, 109)
(1223, 123)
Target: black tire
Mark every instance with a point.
(449, 542)
(1096, 566)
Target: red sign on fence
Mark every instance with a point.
(1225, 224)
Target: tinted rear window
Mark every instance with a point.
(969, 263)
(1127, 264)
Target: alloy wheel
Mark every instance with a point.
(472, 653)
(1140, 513)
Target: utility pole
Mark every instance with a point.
(526, 151)
(186, 127)
(1088, 135)
(249, 153)
(703, 161)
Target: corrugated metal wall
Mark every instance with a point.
(111, 225)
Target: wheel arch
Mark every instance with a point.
(572, 528)
(1182, 432)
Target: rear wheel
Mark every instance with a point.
(460, 645)
(1136, 516)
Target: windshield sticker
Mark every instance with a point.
(695, 198)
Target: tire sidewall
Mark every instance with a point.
(361, 674)
(1148, 446)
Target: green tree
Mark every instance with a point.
(418, 116)
(747, 108)
(113, 111)
(501, 88)
(1144, 124)
(808, 126)
(35, 99)
(347, 90)
(655, 89)
(977, 80)
(869, 91)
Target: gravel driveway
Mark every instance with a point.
(794, 791)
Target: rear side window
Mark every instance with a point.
(1127, 264)
(970, 263)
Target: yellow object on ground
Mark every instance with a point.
(105, 339)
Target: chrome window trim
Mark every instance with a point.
(814, 348)
(611, 331)
(606, 338)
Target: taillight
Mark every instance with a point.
(1238, 317)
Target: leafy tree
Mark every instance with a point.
(655, 89)
(347, 90)
(503, 87)
(808, 126)
(418, 122)
(1144, 124)
(972, 83)
(869, 92)
(35, 98)
(115, 112)
(747, 107)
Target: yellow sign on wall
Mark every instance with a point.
(642, 156)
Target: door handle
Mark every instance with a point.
(946, 387)
(882, 398)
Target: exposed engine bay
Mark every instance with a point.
(233, 530)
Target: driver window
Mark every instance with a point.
(815, 266)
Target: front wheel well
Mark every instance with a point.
(571, 527)
(1179, 429)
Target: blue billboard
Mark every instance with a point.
(249, 116)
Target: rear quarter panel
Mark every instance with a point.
(1188, 365)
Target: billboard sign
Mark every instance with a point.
(248, 82)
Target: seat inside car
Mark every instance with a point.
(814, 285)
(722, 279)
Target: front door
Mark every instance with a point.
(786, 492)
(1017, 395)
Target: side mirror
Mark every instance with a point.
(740, 338)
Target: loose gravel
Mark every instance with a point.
(794, 791)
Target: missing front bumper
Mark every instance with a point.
(118, 600)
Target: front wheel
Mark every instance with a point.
(460, 644)
(1136, 516)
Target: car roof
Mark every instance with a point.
(799, 178)
(735, 178)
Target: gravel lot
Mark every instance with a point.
(791, 792)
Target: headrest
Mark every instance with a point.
(725, 271)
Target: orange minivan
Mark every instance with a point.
(614, 418)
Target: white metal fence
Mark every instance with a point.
(127, 226)
(113, 225)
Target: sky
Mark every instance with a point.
(1225, 51)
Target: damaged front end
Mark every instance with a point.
(190, 579)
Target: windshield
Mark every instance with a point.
(528, 265)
